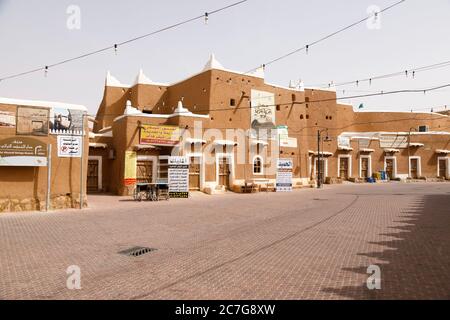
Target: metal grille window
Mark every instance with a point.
(257, 165)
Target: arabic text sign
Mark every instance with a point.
(284, 175)
(160, 135)
(70, 146)
(23, 152)
(179, 177)
(393, 141)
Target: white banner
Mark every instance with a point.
(179, 177)
(70, 146)
(284, 175)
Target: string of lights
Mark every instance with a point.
(115, 46)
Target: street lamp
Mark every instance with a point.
(319, 157)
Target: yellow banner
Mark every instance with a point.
(160, 135)
(130, 168)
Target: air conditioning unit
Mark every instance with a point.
(424, 128)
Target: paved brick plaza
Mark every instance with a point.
(308, 244)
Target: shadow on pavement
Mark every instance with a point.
(416, 261)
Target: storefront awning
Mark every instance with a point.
(145, 147)
(345, 149)
(322, 153)
(97, 145)
(225, 143)
(416, 144)
(260, 142)
(442, 151)
(195, 141)
(391, 150)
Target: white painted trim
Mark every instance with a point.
(447, 164)
(370, 165)
(262, 165)
(395, 164)
(154, 159)
(419, 165)
(202, 167)
(230, 157)
(349, 164)
(100, 170)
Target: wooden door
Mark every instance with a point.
(390, 168)
(343, 168)
(322, 169)
(224, 173)
(414, 168)
(92, 176)
(443, 168)
(194, 174)
(364, 167)
(144, 171)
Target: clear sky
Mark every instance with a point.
(34, 33)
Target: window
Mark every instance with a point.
(257, 165)
(232, 102)
(307, 116)
(278, 107)
(423, 128)
(301, 116)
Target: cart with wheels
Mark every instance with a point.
(142, 191)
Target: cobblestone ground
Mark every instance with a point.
(308, 244)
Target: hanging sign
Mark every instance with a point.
(179, 177)
(284, 175)
(70, 146)
(23, 151)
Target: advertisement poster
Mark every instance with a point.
(284, 175)
(7, 118)
(22, 151)
(160, 135)
(262, 114)
(66, 120)
(393, 141)
(32, 121)
(70, 147)
(179, 177)
(130, 168)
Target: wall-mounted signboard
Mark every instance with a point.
(23, 151)
(262, 114)
(7, 118)
(393, 141)
(70, 146)
(284, 175)
(284, 139)
(179, 177)
(32, 121)
(160, 135)
(63, 121)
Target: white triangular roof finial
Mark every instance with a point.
(213, 64)
(112, 81)
(142, 78)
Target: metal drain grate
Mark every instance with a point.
(137, 251)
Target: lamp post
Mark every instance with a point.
(409, 152)
(319, 157)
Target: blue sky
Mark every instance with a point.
(415, 33)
